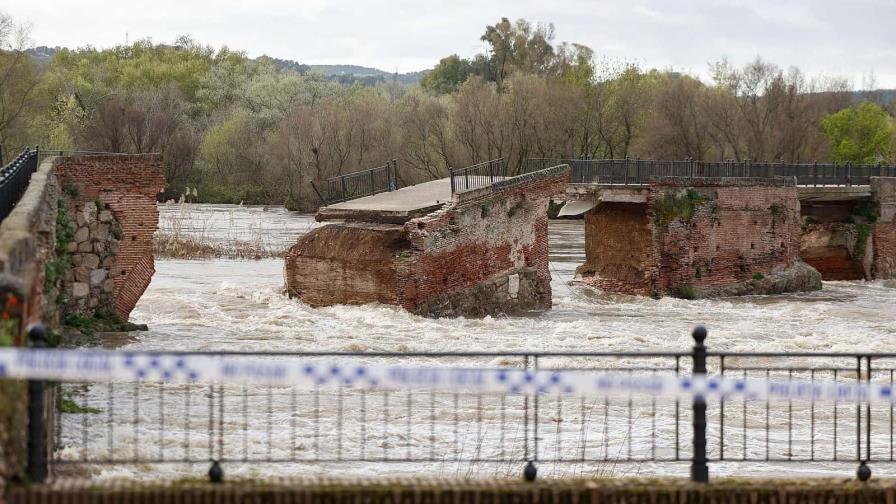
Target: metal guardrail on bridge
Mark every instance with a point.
(478, 175)
(14, 179)
(328, 408)
(640, 171)
(358, 184)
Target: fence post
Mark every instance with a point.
(848, 173)
(699, 467)
(342, 180)
(319, 195)
(37, 429)
(395, 174)
(451, 176)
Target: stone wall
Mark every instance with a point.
(94, 248)
(485, 252)
(701, 237)
(113, 198)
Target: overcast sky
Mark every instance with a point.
(849, 38)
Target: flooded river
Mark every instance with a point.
(226, 304)
(214, 305)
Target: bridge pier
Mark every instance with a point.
(848, 233)
(883, 191)
(696, 238)
(479, 252)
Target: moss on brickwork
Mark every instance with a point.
(55, 268)
(866, 211)
(81, 331)
(863, 231)
(679, 207)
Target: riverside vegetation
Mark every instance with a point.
(259, 130)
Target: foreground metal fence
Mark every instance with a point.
(479, 175)
(462, 431)
(640, 171)
(14, 179)
(359, 184)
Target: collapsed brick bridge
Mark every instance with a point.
(462, 245)
(433, 249)
(718, 236)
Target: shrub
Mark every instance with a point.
(685, 291)
(674, 207)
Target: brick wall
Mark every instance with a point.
(883, 241)
(128, 185)
(883, 237)
(469, 491)
(354, 263)
(485, 252)
(736, 232)
(619, 248)
(703, 234)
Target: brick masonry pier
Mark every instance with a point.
(849, 233)
(474, 253)
(695, 238)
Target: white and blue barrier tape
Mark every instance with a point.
(312, 374)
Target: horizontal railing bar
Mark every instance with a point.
(445, 459)
(489, 353)
(512, 353)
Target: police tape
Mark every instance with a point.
(313, 374)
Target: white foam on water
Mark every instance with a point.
(240, 305)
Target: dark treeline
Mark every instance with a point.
(237, 129)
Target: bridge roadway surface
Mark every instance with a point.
(397, 207)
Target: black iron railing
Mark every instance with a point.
(62, 152)
(14, 179)
(463, 432)
(478, 175)
(640, 171)
(359, 184)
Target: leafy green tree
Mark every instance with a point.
(19, 78)
(861, 134)
(448, 75)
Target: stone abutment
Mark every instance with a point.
(79, 242)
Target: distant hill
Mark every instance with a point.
(348, 74)
(43, 54)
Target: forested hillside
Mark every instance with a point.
(258, 130)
